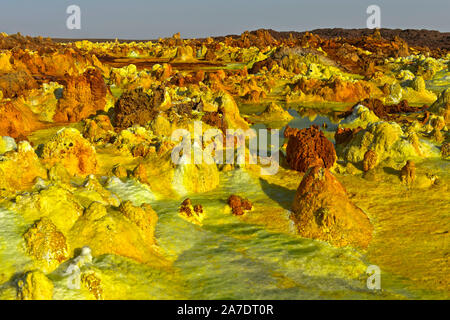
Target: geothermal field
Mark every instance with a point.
(266, 165)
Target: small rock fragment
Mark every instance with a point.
(191, 213)
(408, 172)
(370, 160)
(239, 205)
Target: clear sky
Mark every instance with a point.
(150, 19)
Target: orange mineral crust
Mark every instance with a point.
(265, 165)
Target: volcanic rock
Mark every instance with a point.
(322, 210)
(191, 213)
(17, 120)
(134, 107)
(106, 231)
(13, 84)
(239, 205)
(83, 96)
(370, 160)
(73, 151)
(268, 63)
(46, 244)
(19, 169)
(308, 146)
(408, 172)
(34, 285)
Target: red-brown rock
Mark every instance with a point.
(308, 146)
(239, 205)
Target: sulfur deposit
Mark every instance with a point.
(265, 165)
(322, 210)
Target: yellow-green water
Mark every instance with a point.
(258, 256)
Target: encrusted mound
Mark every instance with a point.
(322, 210)
(387, 112)
(16, 83)
(307, 147)
(144, 217)
(134, 107)
(83, 95)
(34, 285)
(55, 203)
(99, 129)
(20, 169)
(125, 233)
(16, 120)
(46, 244)
(74, 152)
(360, 116)
(274, 112)
(442, 105)
(386, 139)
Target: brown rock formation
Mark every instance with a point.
(14, 84)
(268, 63)
(70, 149)
(307, 147)
(239, 205)
(190, 210)
(215, 119)
(370, 160)
(99, 129)
(83, 96)
(386, 112)
(408, 172)
(343, 136)
(119, 171)
(17, 120)
(322, 210)
(134, 107)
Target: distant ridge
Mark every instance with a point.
(414, 37)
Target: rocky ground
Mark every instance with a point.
(86, 152)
